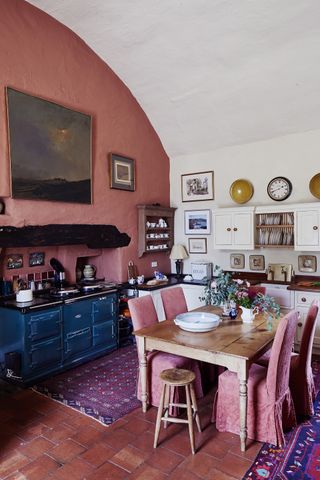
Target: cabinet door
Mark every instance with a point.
(42, 355)
(104, 308)
(77, 316)
(307, 230)
(44, 324)
(303, 301)
(104, 334)
(193, 294)
(222, 230)
(243, 231)
(233, 230)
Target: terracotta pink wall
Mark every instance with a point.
(41, 57)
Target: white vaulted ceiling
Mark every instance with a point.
(208, 73)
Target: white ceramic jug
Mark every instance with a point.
(89, 271)
(248, 314)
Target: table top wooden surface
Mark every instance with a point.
(231, 337)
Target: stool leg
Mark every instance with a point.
(190, 419)
(167, 403)
(195, 407)
(159, 415)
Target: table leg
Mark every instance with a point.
(243, 394)
(143, 365)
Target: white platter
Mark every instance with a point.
(197, 321)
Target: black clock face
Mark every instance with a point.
(279, 189)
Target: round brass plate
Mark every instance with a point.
(241, 191)
(314, 185)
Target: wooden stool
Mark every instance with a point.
(177, 377)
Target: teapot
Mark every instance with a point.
(89, 271)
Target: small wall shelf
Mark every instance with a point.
(151, 236)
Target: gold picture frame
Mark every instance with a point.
(237, 260)
(307, 263)
(256, 262)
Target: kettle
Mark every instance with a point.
(89, 271)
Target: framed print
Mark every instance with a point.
(197, 222)
(197, 186)
(197, 245)
(122, 174)
(256, 262)
(36, 258)
(15, 260)
(50, 150)
(307, 263)
(237, 260)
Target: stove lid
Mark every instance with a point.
(61, 292)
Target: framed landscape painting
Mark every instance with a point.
(197, 222)
(50, 150)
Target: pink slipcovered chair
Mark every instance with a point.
(270, 407)
(174, 302)
(253, 290)
(301, 378)
(143, 314)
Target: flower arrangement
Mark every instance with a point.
(221, 289)
(224, 288)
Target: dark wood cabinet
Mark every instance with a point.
(155, 229)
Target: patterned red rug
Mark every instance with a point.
(104, 389)
(300, 459)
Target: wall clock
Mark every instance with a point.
(279, 188)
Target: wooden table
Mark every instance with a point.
(233, 344)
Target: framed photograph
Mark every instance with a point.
(237, 260)
(307, 263)
(122, 174)
(36, 258)
(197, 186)
(197, 245)
(256, 262)
(56, 164)
(15, 260)
(197, 222)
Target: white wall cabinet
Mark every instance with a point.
(307, 225)
(233, 229)
(303, 301)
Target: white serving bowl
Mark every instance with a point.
(197, 321)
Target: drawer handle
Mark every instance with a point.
(300, 324)
(315, 227)
(235, 229)
(78, 316)
(303, 299)
(228, 229)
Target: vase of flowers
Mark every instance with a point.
(224, 289)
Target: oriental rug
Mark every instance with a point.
(300, 459)
(104, 389)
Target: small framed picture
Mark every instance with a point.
(122, 172)
(197, 245)
(36, 258)
(15, 260)
(237, 260)
(256, 262)
(197, 186)
(307, 263)
(197, 222)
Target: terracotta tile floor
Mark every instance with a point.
(42, 439)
